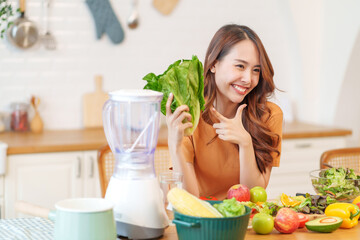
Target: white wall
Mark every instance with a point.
(299, 36)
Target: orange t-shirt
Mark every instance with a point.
(216, 162)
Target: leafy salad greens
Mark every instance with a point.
(230, 208)
(313, 204)
(270, 208)
(340, 183)
(183, 78)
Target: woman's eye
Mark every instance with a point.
(257, 70)
(240, 66)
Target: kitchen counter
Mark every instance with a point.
(93, 139)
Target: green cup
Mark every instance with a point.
(84, 219)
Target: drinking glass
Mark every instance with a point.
(169, 180)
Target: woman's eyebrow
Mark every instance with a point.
(245, 62)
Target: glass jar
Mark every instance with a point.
(19, 117)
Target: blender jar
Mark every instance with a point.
(131, 123)
(19, 117)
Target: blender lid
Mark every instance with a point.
(135, 95)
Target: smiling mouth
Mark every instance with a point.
(239, 89)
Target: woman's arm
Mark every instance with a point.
(176, 129)
(186, 168)
(250, 174)
(232, 130)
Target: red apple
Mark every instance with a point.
(239, 192)
(286, 220)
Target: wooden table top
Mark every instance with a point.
(300, 234)
(94, 139)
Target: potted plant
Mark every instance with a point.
(6, 12)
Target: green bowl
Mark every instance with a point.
(199, 228)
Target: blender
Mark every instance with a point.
(131, 122)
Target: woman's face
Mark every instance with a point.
(237, 73)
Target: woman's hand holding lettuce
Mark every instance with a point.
(183, 78)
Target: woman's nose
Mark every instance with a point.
(246, 78)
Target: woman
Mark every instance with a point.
(238, 138)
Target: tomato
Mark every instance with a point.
(302, 219)
(357, 201)
(211, 198)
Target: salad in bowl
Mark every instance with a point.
(341, 183)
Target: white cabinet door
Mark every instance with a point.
(91, 175)
(298, 158)
(42, 179)
(2, 209)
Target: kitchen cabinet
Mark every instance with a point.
(45, 178)
(1, 197)
(298, 158)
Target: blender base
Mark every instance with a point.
(137, 232)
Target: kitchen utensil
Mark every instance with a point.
(23, 33)
(199, 228)
(92, 105)
(36, 124)
(48, 39)
(165, 6)
(77, 219)
(133, 20)
(131, 125)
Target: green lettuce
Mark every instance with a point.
(230, 208)
(183, 78)
(341, 183)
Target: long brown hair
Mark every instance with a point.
(264, 141)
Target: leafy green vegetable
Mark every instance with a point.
(270, 208)
(314, 204)
(230, 208)
(183, 78)
(340, 183)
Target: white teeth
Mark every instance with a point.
(239, 88)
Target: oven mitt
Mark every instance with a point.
(106, 20)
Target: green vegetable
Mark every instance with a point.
(270, 208)
(314, 204)
(183, 78)
(324, 224)
(230, 208)
(340, 183)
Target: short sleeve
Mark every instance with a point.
(275, 124)
(188, 149)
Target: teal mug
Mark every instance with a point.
(77, 218)
(84, 218)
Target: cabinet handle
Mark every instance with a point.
(79, 168)
(91, 175)
(303, 145)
